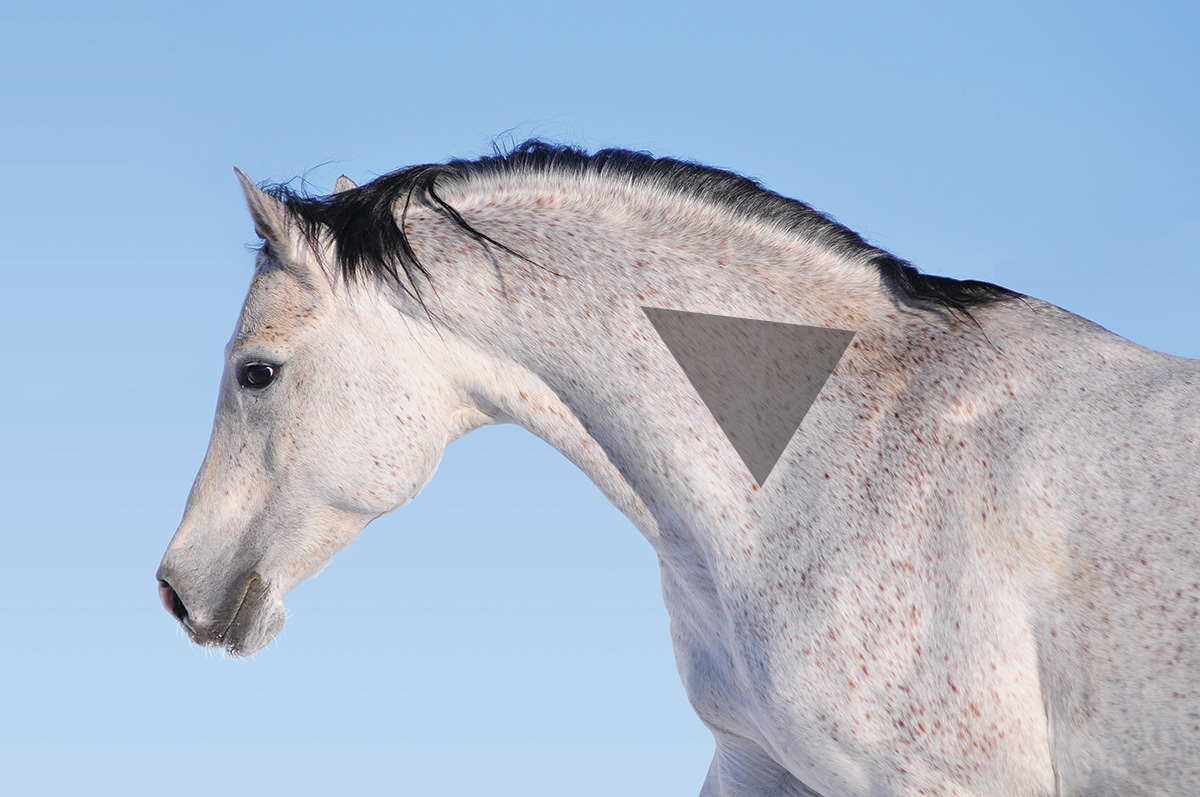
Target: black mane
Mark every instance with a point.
(370, 242)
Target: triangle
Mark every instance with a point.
(757, 378)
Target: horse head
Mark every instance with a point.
(332, 410)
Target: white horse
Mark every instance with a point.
(975, 569)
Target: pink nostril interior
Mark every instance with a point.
(170, 600)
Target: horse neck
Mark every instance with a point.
(571, 355)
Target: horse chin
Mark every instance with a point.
(250, 633)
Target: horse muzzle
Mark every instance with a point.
(246, 620)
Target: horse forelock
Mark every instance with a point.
(368, 230)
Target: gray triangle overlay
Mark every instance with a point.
(757, 378)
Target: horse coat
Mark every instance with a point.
(973, 570)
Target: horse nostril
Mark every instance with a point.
(171, 602)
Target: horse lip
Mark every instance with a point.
(254, 593)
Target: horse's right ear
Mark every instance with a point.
(269, 214)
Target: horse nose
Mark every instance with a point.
(171, 600)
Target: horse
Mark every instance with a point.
(972, 569)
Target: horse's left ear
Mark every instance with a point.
(274, 224)
(269, 214)
(343, 184)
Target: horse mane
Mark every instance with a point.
(370, 242)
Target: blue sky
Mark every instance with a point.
(504, 633)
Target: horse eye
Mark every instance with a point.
(256, 375)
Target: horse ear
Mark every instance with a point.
(344, 183)
(274, 224)
(269, 214)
